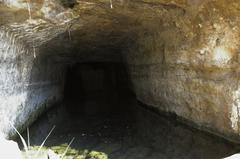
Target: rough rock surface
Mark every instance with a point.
(182, 55)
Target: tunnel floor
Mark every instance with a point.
(130, 133)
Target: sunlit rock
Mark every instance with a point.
(221, 56)
(9, 149)
(16, 3)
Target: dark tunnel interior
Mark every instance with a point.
(92, 88)
(101, 111)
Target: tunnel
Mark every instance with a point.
(100, 111)
(120, 79)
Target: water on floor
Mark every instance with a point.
(128, 131)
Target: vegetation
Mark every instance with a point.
(59, 152)
(63, 151)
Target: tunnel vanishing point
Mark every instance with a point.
(181, 56)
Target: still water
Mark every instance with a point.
(126, 131)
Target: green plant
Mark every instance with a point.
(55, 152)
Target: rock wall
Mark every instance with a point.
(28, 85)
(182, 56)
(187, 64)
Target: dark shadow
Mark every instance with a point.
(68, 3)
(100, 87)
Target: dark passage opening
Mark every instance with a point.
(102, 113)
(92, 88)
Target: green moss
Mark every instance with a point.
(96, 155)
(70, 154)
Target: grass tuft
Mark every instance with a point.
(22, 139)
(45, 140)
(65, 152)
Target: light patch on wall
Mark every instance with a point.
(221, 55)
(15, 3)
(13, 104)
(235, 110)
